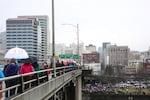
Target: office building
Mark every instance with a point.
(116, 55)
(104, 56)
(45, 34)
(24, 33)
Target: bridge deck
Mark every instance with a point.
(42, 85)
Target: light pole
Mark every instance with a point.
(53, 40)
(77, 31)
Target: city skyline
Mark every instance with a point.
(121, 22)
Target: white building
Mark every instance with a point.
(116, 55)
(134, 66)
(43, 22)
(24, 33)
(91, 48)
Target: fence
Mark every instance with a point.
(37, 78)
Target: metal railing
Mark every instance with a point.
(36, 78)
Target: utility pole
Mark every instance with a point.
(53, 39)
(78, 52)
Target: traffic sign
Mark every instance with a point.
(68, 56)
(62, 56)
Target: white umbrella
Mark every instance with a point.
(16, 53)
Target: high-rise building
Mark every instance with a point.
(103, 55)
(116, 55)
(24, 33)
(45, 34)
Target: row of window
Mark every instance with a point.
(18, 41)
(118, 50)
(19, 45)
(18, 25)
(19, 29)
(18, 22)
(21, 35)
(19, 38)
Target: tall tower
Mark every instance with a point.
(24, 33)
(105, 57)
(45, 34)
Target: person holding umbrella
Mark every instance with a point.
(16, 53)
(11, 70)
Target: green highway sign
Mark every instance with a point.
(62, 56)
(68, 56)
(75, 56)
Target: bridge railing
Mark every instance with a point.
(36, 79)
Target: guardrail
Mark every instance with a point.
(38, 78)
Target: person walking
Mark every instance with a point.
(4, 70)
(36, 68)
(58, 64)
(46, 67)
(27, 68)
(5, 66)
(11, 70)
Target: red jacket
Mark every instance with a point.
(46, 67)
(26, 68)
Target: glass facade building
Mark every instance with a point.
(24, 33)
(45, 34)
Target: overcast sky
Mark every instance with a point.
(121, 22)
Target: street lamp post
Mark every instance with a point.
(77, 31)
(53, 40)
(78, 40)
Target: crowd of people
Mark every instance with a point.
(65, 63)
(98, 87)
(108, 88)
(13, 68)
